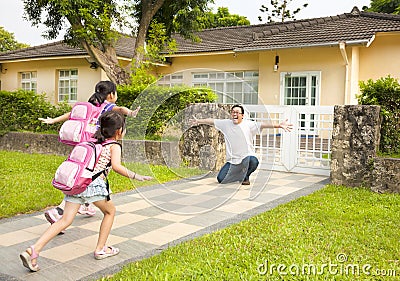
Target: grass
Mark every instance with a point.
(26, 180)
(336, 231)
(314, 232)
(391, 155)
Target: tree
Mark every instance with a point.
(177, 16)
(89, 25)
(8, 42)
(384, 6)
(221, 19)
(279, 11)
(95, 25)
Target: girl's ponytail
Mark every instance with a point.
(99, 135)
(102, 89)
(96, 99)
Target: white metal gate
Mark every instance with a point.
(307, 149)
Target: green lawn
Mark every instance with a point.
(337, 233)
(26, 180)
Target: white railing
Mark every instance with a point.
(306, 149)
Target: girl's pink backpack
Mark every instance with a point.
(76, 173)
(82, 123)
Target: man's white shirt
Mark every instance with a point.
(238, 138)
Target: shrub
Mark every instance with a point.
(385, 92)
(20, 111)
(160, 105)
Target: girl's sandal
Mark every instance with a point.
(27, 259)
(104, 254)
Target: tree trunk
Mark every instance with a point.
(149, 9)
(108, 61)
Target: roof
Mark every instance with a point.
(124, 48)
(350, 27)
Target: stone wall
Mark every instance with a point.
(151, 152)
(355, 141)
(203, 146)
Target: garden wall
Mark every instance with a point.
(203, 145)
(355, 141)
(151, 152)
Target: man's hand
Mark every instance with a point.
(287, 127)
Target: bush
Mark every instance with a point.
(159, 105)
(385, 92)
(140, 80)
(20, 111)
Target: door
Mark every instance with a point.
(301, 88)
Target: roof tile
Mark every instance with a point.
(124, 48)
(354, 26)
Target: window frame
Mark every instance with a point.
(31, 82)
(72, 79)
(234, 85)
(309, 87)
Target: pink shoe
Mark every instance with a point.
(53, 215)
(107, 251)
(88, 210)
(27, 258)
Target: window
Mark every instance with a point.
(301, 88)
(231, 87)
(28, 81)
(68, 85)
(175, 79)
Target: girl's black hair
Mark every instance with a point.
(238, 105)
(110, 122)
(102, 89)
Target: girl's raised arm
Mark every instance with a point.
(123, 171)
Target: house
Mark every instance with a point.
(60, 71)
(317, 61)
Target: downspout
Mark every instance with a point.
(355, 74)
(342, 47)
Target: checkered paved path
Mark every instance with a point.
(149, 220)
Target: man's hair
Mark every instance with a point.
(238, 105)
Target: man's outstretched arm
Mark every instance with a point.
(285, 125)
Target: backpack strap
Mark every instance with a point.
(107, 107)
(107, 142)
(91, 144)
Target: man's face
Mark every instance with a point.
(237, 115)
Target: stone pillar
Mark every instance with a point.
(203, 146)
(355, 140)
(386, 175)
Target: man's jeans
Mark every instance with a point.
(240, 172)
